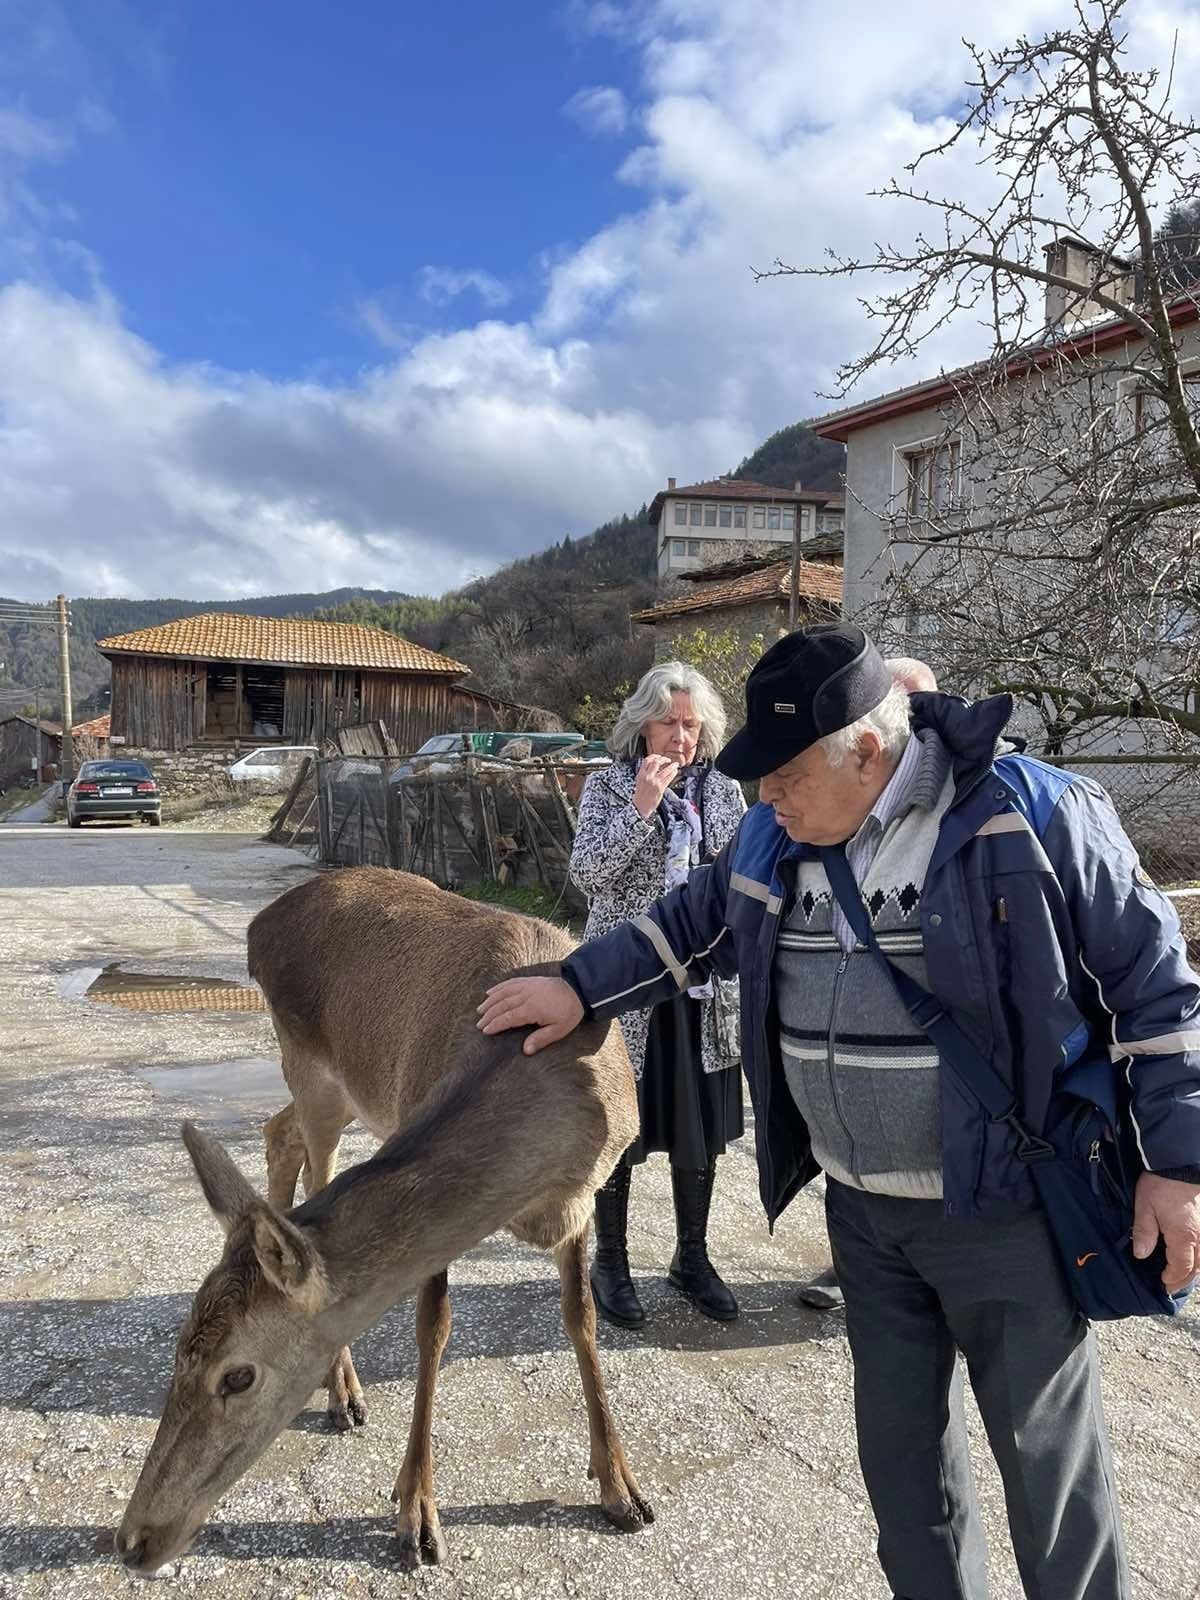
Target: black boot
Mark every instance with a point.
(612, 1287)
(691, 1270)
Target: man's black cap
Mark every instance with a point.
(811, 683)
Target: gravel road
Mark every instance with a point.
(741, 1435)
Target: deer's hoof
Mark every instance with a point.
(358, 1411)
(630, 1514)
(421, 1541)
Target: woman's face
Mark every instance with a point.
(676, 733)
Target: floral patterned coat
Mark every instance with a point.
(620, 862)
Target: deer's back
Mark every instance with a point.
(378, 973)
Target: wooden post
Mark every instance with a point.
(66, 760)
(794, 585)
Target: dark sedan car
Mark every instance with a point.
(110, 789)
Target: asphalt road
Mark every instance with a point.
(741, 1435)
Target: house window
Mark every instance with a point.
(760, 516)
(680, 515)
(693, 547)
(789, 520)
(679, 547)
(773, 517)
(931, 479)
(710, 516)
(739, 516)
(726, 516)
(829, 522)
(806, 516)
(696, 510)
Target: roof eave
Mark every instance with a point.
(455, 669)
(1103, 336)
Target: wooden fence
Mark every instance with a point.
(473, 820)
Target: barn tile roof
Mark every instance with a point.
(97, 728)
(224, 636)
(818, 581)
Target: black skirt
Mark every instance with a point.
(685, 1112)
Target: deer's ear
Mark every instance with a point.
(228, 1193)
(287, 1257)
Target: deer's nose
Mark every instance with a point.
(131, 1547)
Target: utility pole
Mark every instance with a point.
(794, 588)
(66, 769)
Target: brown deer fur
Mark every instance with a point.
(372, 978)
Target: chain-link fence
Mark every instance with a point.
(1158, 801)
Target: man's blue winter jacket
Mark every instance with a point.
(1044, 941)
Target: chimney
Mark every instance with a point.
(797, 486)
(670, 483)
(1080, 262)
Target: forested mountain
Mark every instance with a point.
(795, 455)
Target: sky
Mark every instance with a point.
(294, 296)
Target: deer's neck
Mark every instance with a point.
(386, 1226)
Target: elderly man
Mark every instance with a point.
(1009, 889)
(824, 1293)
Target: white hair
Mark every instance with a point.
(652, 699)
(890, 721)
(916, 677)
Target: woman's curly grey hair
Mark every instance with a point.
(652, 698)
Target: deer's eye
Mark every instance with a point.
(237, 1380)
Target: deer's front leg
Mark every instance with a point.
(421, 1541)
(347, 1404)
(621, 1499)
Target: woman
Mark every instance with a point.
(658, 812)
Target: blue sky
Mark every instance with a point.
(299, 295)
(269, 167)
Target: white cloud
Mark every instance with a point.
(650, 350)
(440, 285)
(599, 110)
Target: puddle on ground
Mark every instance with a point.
(153, 992)
(225, 1089)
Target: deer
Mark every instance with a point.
(371, 978)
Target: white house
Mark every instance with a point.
(904, 456)
(707, 522)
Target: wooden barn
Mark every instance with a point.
(220, 679)
(28, 747)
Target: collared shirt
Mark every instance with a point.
(861, 850)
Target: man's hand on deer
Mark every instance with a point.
(548, 1005)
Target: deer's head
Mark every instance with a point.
(254, 1347)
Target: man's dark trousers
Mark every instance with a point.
(917, 1287)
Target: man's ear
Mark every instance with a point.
(870, 748)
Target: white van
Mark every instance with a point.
(273, 763)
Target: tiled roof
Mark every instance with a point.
(824, 547)
(223, 636)
(52, 730)
(818, 581)
(97, 728)
(745, 489)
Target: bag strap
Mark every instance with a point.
(970, 1067)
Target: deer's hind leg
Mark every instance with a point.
(421, 1541)
(620, 1497)
(322, 1112)
(285, 1157)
